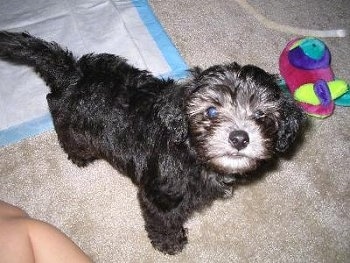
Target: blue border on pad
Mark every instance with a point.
(25, 130)
(166, 46)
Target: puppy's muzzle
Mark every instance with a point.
(239, 139)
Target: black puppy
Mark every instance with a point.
(182, 144)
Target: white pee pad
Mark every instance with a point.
(124, 27)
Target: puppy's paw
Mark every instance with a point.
(170, 243)
(80, 162)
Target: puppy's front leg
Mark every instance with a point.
(163, 220)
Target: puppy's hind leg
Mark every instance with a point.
(77, 148)
(78, 145)
(81, 162)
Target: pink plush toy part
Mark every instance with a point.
(305, 66)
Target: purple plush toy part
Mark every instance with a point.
(310, 54)
(305, 66)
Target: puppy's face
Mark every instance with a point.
(238, 117)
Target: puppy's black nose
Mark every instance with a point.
(239, 139)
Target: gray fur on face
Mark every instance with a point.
(243, 102)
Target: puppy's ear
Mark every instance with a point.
(291, 120)
(174, 123)
(178, 128)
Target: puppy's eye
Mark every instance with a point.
(259, 114)
(212, 112)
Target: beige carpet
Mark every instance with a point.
(300, 212)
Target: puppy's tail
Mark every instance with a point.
(55, 65)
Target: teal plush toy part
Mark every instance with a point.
(305, 66)
(344, 100)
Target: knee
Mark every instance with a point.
(7, 210)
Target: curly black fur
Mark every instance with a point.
(158, 132)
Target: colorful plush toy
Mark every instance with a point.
(305, 66)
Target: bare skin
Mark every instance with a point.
(26, 240)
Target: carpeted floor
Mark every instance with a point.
(299, 212)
